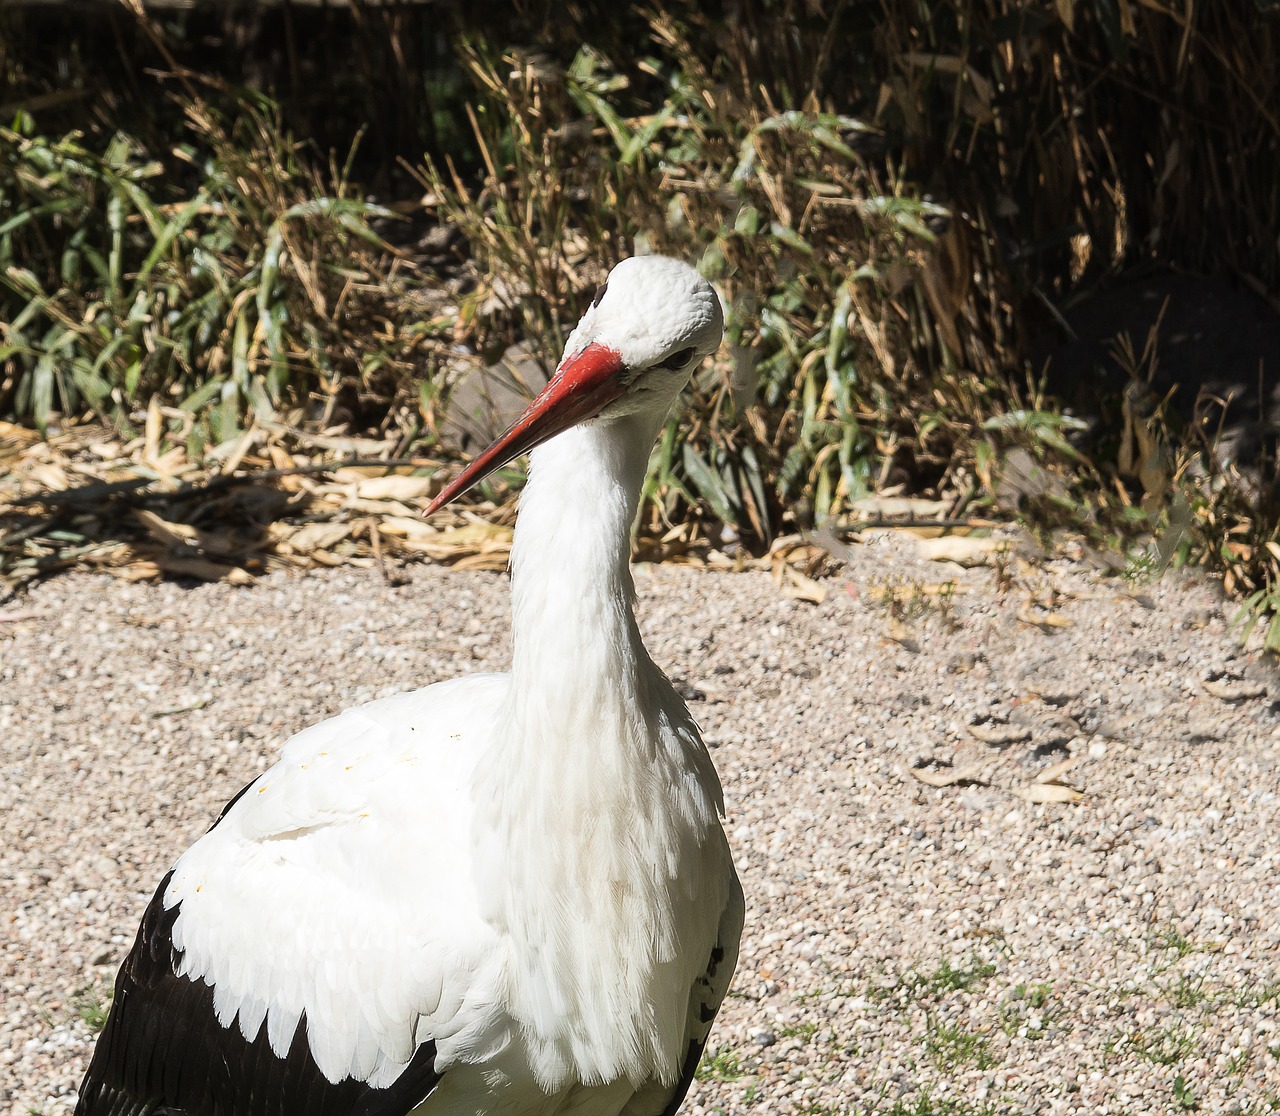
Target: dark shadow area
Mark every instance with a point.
(1209, 349)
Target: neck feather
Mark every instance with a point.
(574, 625)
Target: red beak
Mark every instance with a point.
(582, 387)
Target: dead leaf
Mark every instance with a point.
(797, 586)
(317, 536)
(1055, 771)
(1049, 792)
(354, 474)
(343, 447)
(1234, 689)
(964, 550)
(198, 703)
(108, 555)
(52, 478)
(171, 534)
(474, 546)
(239, 450)
(14, 439)
(396, 487)
(495, 560)
(183, 565)
(999, 734)
(406, 527)
(1045, 621)
(280, 457)
(152, 431)
(174, 464)
(135, 571)
(810, 556)
(900, 507)
(375, 507)
(946, 776)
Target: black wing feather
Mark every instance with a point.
(163, 1052)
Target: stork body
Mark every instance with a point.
(505, 894)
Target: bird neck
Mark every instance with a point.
(575, 635)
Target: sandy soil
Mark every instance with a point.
(909, 948)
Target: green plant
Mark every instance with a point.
(951, 1046)
(951, 978)
(250, 295)
(927, 1105)
(1171, 938)
(937, 983)
(1261, 995)
(92, 1007)
(1027, 1012)
(778, 207)
(1187, 990)
(1164, 1045)
(1239, 1063)
(803, 1031)
(1183, 1095)
(723, 1065)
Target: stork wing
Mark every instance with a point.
(318, 951)
(163, 1049)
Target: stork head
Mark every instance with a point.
(650, 325)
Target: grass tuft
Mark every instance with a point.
(723, 1065)
(92, 1008)
(954, 1046)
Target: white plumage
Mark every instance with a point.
(357, 809)
(508, 893)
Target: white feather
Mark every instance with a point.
(316, 866)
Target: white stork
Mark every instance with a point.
(503, 894)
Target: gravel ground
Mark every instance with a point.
(909, 948)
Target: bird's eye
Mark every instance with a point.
(678, 360)
(600, 294)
